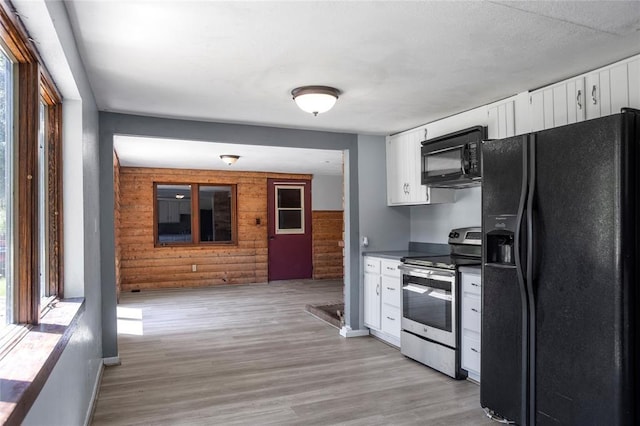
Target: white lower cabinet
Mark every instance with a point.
(382, 298)
(471, 317)
(372, 292)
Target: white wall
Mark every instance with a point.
(327, 192)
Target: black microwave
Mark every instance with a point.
(453, 160)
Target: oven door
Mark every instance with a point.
(429, 304)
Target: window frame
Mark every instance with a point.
(33, 84)
(278, 209)
(195, 216)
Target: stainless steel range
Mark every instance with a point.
(430, 304)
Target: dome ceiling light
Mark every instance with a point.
(229, 159)
(315, 99)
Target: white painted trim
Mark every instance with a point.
(346, 331)
(112, 361)
(94, 396)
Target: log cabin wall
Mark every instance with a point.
(144, 266)
(328, 227)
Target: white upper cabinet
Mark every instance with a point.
(557, 105)
(502, 120)
(595, 94)
(403, 172)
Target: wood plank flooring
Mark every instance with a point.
(250, 354)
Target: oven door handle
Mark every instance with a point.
(429, 291)
(428, 273)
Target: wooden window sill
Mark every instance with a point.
(26, 367)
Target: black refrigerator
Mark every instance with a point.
(560, 303)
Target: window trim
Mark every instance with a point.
(33, 83)
(301, 209)
(195, 216)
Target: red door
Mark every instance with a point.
(289, 221)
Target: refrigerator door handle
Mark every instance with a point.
(521, 273)
(529, 279)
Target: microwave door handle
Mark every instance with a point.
(463, 159)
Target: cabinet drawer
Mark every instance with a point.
(471, 312)
(471, 283)
(391, 291)
(471, 354)
(390, 268)
(391, 320)
(372, 264)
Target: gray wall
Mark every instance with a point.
(326, 192)
(66, 396)
(387, 228)
(431, 224)
(122, 124)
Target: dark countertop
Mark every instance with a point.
(394, 254)
(415, 250)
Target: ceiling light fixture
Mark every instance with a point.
(315, 99)
(179, 196)
(229, 159)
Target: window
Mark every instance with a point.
(6, 189)
(194, 214)
(30, 183)
(289, 209)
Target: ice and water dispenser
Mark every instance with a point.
(500, 239)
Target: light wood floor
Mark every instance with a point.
(251, 355)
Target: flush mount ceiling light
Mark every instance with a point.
(179, 196)
(315, 99)
(229, 159)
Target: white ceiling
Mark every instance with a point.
(399, 64)
(153, 152)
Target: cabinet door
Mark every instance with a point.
(396, 186)
(619, 87)
(391, 320)
(372, 301)
(560, 104)
(633, 69)
(502, 122)
(390, 291)
(413, 144)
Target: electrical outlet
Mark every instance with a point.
(194, 268)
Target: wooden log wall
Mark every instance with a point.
(144, 266)
(327, 250)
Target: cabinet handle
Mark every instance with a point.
(593, 95)
(392, 319)
(475, 350)
(474, 309)
(390, 288)
(378, 290)
(475, 285)
(579, 99)
(408, 188)
(427, 195)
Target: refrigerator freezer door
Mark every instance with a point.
(579, 294)
(503, 371)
